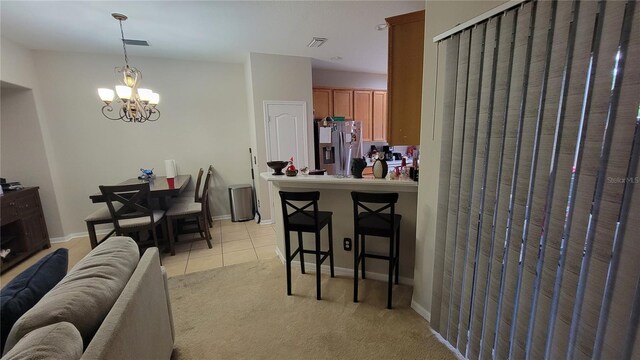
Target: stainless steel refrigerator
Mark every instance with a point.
(336, 143)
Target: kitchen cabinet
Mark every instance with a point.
(404, 78)
(322, 103)
(363, 111)
(343, 103)
(379, 116)
(23, 229)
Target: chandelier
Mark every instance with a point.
(133, 104)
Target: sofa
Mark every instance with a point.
(113, 304)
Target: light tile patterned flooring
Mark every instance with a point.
(233, 243)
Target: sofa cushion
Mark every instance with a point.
(85, 296)
(58, 341)
(26, 289)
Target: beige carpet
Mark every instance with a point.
(243, 312)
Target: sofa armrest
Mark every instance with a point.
(165, 277)
(138, 325)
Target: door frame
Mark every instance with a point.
(267, 136)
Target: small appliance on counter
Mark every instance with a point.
(336, 144)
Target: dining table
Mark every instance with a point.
(161, 188)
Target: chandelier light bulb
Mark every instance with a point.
(145, 94)
(106, 95)
(124, 92)
(155, 99)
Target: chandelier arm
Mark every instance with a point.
(154, 114)
(108, 109)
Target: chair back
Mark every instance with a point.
(293, 199)
(207, 182)
(134, 198)
(383, 200)
(198, 182)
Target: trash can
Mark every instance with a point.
(241, 202)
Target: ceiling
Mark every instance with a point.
(211, 30)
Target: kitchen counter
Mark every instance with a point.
(335, 196)
(347, 183)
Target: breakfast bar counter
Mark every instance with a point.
(335, 196)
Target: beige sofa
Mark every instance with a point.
(111, 305)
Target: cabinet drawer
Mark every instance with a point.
(9, 212)
(28, 204)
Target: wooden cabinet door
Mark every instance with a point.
(379, 116)
(406, 52)
(362, 111)
(322, 103)
(35, 231)
(343, 103)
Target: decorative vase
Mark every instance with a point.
(291, 172)
(380, 169)
(357, 167)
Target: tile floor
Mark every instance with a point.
(233, 243)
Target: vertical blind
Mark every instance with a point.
(541, 141)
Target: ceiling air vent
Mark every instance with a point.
(317, 42)
(136, 42)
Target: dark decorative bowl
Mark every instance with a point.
(277, 166)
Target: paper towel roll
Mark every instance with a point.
(170, 166)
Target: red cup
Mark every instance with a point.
(171, 183)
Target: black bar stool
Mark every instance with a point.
(305, 221)
(375, 223)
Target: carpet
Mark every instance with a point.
(242, 312)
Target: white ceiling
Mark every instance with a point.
(211, 30)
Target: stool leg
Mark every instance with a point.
(318, 264)
(391, 266)
(287, 255)
(93, 239)
(301, 252)
(356, 258)
(397, 254)
(364, 255)
(331, 248)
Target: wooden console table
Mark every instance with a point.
(23, 229)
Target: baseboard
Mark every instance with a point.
(345, 271)
(447, 344)
(221, 217)
(420, 310)
(77, 234)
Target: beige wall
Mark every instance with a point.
(349, 79)
(276, 77)
(204, 121)
(440, 17)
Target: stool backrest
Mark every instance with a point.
(135, 200)
(198, 182)
(287, 198)
(384, 200)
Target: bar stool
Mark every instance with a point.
(301, 220)
(375, 223)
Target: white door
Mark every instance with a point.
(286, 127)
(286, 134)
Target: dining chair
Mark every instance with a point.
(134, 214)
(196, 194)
(100, 216)
(194, 210)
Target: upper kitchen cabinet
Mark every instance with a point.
(343, 103)
(363, 109)
(322, 103)
(379, 116)
(404, 84)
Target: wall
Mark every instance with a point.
(204, 121)
(440, 16)
(276, 77)
(349, 79)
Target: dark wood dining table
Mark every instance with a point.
(160, 188)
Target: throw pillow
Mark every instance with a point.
(26, 289)
(58, 341)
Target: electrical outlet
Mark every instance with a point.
(347, 244)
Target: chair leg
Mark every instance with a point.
(397, 254)
(93, 239)
(206, 230)
(172, 239)
(364, 255)
(318, 265)
(155, 238)
(200, 228)
(287, 256)
(391, 266)
(331, 249)
(300, 252)
(356, 257)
